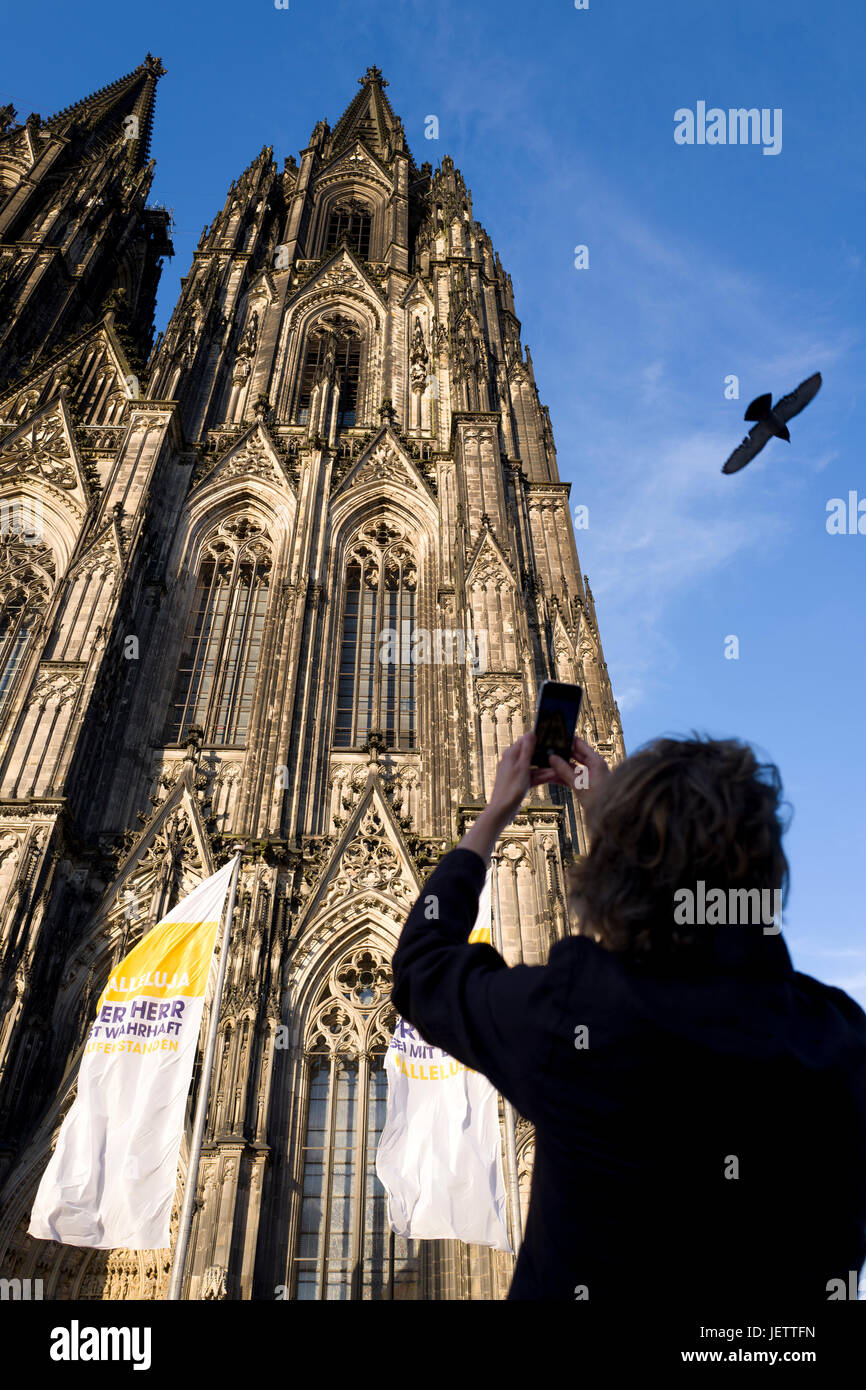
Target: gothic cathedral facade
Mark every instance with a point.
(291, 575)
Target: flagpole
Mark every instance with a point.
(510, 1130)
(190, 1186)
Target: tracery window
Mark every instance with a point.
(329, 355)
(344, 1248)
(222, 644)
(376, 683)
(26, 584)
(352, 219)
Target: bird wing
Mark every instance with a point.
(789, 406)
(761, 405)
(751, 445)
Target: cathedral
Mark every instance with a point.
(205, 539)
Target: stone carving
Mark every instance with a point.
(249, 340)
(494, 696)
(382, 555)
(42, 451)
(252, 460)
(240, 536)
(24, 405)
(488, 567)
(364, 978)
(175, 839)
(188, 344)
(350, 779)
(56, 684)
(356, 162)
(385, 463)
(515, 853)
(26, 574)
(340, 277)
(418, 358)
(467, 351)
(149, 422)
(354, 1013)
(213, 1283)
(369, 862)
(102, 556)
(10, 849)
(481, 439)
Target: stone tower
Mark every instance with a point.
(292, 577)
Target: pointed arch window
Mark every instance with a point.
(327, 357)
(376, 681)
(26, 584)
(352, 219)
(222, 645)
(344, 1249)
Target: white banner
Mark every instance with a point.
(111, 1180)
(440, 1154)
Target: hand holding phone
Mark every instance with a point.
(555, 719)
(591, 769)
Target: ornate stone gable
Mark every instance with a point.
(175, 834)
(253, 456)
(489, 562)
(562, 643)
(262, 288)
(517, 373)
(355, 163)
(370, 860)
(384, 460)
(418, 293)
(20, 401)
(103, 554)
(340, 274)
(43, 450)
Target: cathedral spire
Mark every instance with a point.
(373, 78)
(370, 118)
(80, 213)
(110, 106)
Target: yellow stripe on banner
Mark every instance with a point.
(171, 960)
(481, 934)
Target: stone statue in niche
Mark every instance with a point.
(418, 357)
(247, 345)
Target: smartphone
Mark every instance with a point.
(555, 720)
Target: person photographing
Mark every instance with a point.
(699, 1106)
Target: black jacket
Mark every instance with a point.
(707, 1145)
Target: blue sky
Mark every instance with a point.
(704, 261)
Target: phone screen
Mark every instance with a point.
(555, 720)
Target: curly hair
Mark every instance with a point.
(676, 811)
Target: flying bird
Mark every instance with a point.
(771, 420)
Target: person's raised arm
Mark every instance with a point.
(514, 778)
(464, 998)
